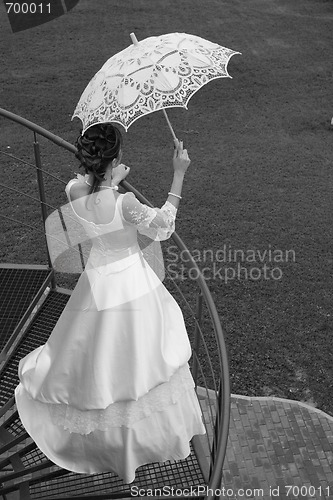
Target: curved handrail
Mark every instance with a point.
(37, 129)
(224, 408)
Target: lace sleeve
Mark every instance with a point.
(157, 223)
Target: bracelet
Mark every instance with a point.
(176, 195)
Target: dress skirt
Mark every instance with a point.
(111, 389)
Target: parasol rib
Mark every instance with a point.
(135, 42)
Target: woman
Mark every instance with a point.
(111, 389)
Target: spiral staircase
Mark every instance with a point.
(31, 301)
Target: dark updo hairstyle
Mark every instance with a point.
(96, 148)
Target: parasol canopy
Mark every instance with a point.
(150, 75)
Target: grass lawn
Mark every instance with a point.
(258, 191)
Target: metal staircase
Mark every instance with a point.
(30, 305)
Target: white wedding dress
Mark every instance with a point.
(111, 389)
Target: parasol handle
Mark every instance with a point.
(170, 126)
(135, 42)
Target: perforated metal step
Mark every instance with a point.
(35, 336)
(20, 288)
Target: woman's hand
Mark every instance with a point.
(119, 173)
(181, 160)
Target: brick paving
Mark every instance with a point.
(278, 448)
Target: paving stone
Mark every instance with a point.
(274, 443)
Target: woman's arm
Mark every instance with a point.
(159, 223)
(181, 162)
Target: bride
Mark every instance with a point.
(111, 389)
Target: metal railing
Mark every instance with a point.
(211, 376)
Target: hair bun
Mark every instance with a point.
(97, 147)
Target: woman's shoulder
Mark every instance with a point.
(128, 196)
(76, 186)
(79, 179)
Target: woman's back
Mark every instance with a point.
(101, 216)
(98, 207)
